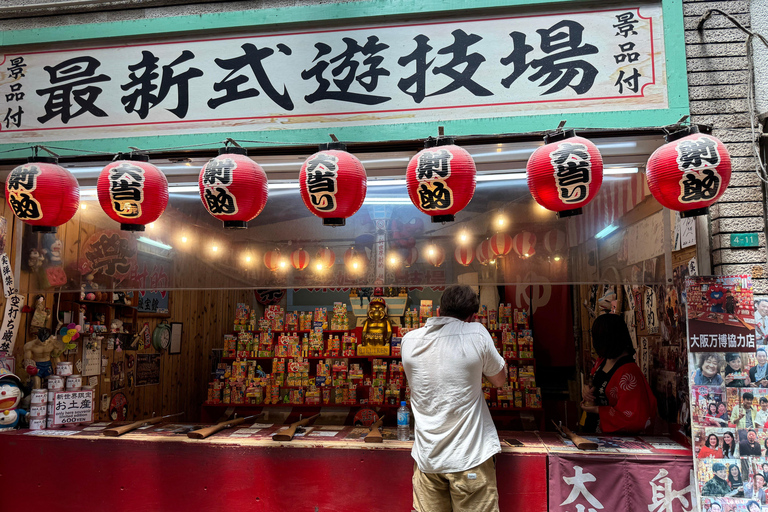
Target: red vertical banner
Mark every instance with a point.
(590, 483)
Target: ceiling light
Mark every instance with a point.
(215, 248)
(83, 206)
(607, 231)
(154, 243)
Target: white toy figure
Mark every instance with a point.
(10, 397)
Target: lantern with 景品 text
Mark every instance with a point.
(441, 179)
(690, 172)
(233, 188)
(132, 191)
(333, 184)
(42, 194)
(565, 174)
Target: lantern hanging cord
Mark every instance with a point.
(754, 123)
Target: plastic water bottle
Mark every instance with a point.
(403, 422)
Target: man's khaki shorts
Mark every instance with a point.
(471, 490)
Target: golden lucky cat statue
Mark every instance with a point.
(377, 329)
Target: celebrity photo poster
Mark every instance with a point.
(728, 370)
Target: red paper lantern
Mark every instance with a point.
(690, 172)
(411, 256)
(500, 244)
(42, 194)
(524, 244)
(483, 252)
(566, 173)
(464, 255)
(333, 184)
(272, 260)
(233, 188)
(554, 241)
(132, 191)
(441, 179)
(300, 259)
(435, 255)
(326, 257)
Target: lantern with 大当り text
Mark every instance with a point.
(333, 184)
(300, 259)
(464, 255)
(435, 255)
(233, 187)
(42, 194)
(500, 244)
(272, 259)
(132, 191)
(524, 244)
(565, 174)
(326, 257)
(554, 241)
(690, 172)
(441, 179)
(484, 253)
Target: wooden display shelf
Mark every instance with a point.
(103, 303)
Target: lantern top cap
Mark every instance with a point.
(42, 160)
(684, 132)
(138, 157)
(559, 135)
(233, 150)
(432, 142)
(333, 145)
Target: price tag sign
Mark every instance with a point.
(71, 407)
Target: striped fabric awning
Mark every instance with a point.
(617, 196)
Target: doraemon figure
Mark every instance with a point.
(10, 397)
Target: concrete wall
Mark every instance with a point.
(717, 87)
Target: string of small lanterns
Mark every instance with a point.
(687, 174)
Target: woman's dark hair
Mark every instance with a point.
(459, 301)
(610, 336)
(710, 406)
(732, 356)
(729, 448)
(717, 441)
(735, 482)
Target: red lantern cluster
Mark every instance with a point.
(441, 179)
(500, 244)
(42, 194)
(566, 173)
(233, 188)
(690, 172)
(132, 192)
(333, 184)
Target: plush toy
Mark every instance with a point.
(10, 397)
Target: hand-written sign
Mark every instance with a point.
(448, 69)
(147, 369)
(9, 286)
(71, 407)
(11, 320)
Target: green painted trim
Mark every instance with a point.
(674, 42)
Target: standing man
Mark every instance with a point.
(455, 439)
(743, 416)
(761, 322)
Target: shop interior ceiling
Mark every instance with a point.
(186, 230)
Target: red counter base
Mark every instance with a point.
(124, 475)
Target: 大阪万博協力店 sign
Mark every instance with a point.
(390, 73)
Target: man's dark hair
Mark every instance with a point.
(459, 301)
(748, 396)
(706, 356)
(610, 336)
(763, 400)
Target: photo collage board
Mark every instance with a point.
(728, 371)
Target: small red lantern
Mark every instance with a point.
(435, 255)
(483, 252)
(326, 257)
(690, 172)
(132, 191)
(272, 260)
(464, 255)
(554, 241)
(411, 256)
(300, 259)
(566, 173)
(42, 194)
(500, 244)
(333, 184)
(441, 179)
(524, 244)
(233, 188)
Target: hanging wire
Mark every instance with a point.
(754, 123)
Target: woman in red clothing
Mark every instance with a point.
(619, 399)
(711, 448)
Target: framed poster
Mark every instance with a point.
(147, 369)
(153, 276)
